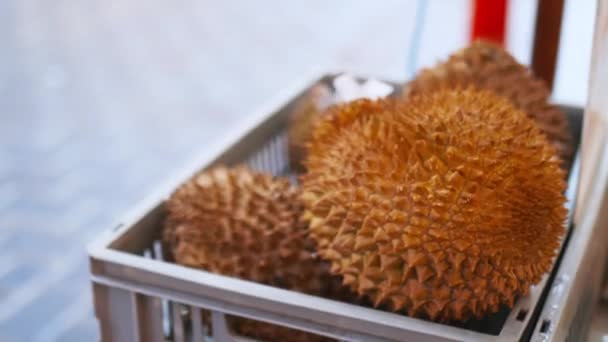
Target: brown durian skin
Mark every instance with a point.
(488, 66)
(444, 207)
(305, 113)
(245, 224)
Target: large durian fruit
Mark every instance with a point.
(445, 207)
(488, 66)
(245, 224)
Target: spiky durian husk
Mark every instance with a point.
(445, 207)
(307, 110)
(245, 224)
(488, 66)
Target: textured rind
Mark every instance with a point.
(307, 110)
(488, 66)
(245, 224)
(445, 206)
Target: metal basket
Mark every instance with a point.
(140, 297)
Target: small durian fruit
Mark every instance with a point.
(245, 224)
(306, 111)
(237, 222)
(312, 106)
(445, 206)
(488, 66)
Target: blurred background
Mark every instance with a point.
(100, 101)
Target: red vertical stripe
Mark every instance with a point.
(489, 20)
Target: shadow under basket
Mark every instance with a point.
(141, 296)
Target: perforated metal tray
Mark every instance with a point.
(140, 297)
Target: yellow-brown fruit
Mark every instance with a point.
(488, 66)
(244, 224)
(240, 223)
(445, 206)
(307, 110)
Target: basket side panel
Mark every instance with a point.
(113, 311)
(149, 318)
(127, 316)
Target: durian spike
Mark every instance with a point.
(445, 206)
(488, 66)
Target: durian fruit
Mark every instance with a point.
(241, 223)
(488, 66)
(312, 106)
(306, 111)
(445, 206)
(244, 224)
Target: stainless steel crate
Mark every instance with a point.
(140, 297)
